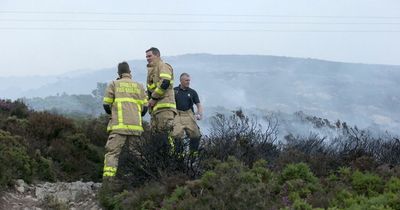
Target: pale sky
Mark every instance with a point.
(42, 37)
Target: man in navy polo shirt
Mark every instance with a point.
(185, 121)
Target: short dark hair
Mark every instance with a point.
(155, 51)
(184, 74)
(123, 67)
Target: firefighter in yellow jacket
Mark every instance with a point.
(125, 100)
(160, 91)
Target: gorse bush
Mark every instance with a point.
(94, 129)
(15, 161)
(13, 108)
(233, 185)
(45, 146)
(46, 126)
(367, 183)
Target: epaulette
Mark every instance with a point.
(169, 65)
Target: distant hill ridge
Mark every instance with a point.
(361, 94)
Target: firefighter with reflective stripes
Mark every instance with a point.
(160, 91)
(125, 100)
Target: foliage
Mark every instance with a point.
(240, 165)
(366, 183)
(232, 185)
(300, 173)
(15, 161)
(45, 146)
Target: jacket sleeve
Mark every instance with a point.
(143, 97)
(108, 98)
(166, 80)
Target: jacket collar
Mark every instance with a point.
(126, 75)
(154, 63)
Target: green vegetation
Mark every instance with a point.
(240, 165)
(48, 147)
(232, 185)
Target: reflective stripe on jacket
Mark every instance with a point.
(157, 72)
(126, 98)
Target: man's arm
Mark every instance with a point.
(108, 98)
(166, 80)
(107, 108)
(199, 114)
(196, 100)
(143, 97)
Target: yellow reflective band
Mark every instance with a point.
(171, 142)
(125, 127)
(108, 100)
(152, 86)
(159, 91)
(109, 171)
(127, 84)
(166, 76)
(121, 125)
(108, 174)
(127, 90)
(136, 101)
(140, 114)
(164, 105)
(119, 111)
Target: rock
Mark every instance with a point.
(20, 186)
(75, 195)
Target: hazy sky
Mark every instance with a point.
(41, 37)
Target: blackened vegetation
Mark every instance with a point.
(155, 159)
(237, 135)
(240, 136)
(245, 139)
(243, 165)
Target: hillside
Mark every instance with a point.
(360, 94)
(55, 162)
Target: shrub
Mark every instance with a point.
(14, 159)
(297, 171)
(44, 169)
(231, 185)
(95, 129)
(241, 137)
(13, 108)
(366, 183)
(48, 126)
(393, 185)
(75, 159)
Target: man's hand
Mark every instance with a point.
(198, 116)
(152, 102)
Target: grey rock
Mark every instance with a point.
(21, 186)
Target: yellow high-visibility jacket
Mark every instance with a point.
(157, 71)
(127, 99)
